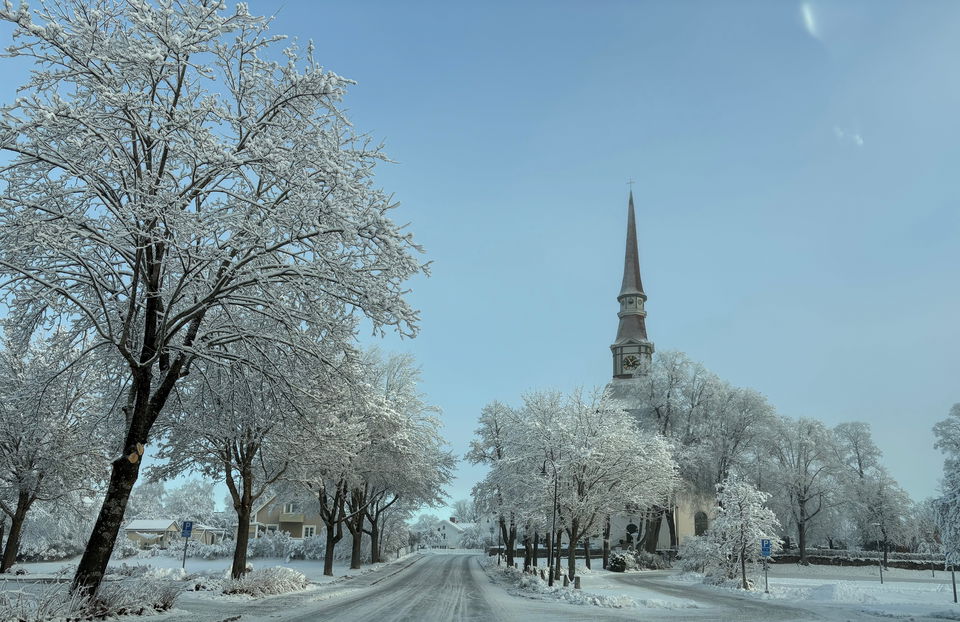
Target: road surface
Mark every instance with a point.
(454, 588)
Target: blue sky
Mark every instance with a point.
(796, 170)
(796, 181)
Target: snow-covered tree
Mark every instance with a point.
(804, 462)
(583, 451)
(50, 441)
(743, 520)
(947, 433)
(166, 174)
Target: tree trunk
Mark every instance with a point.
(96, 556)
(743, 565)
(526, 552)
(672, 525)
(549, 542)
(536, 545)
(652, 535)
(243, 539)
(572, 558)
(374, 541)
(886, 549)
(586, 553)
(802, 541)
(16, 527)
(606, 543)
(356, 549)
(332, 538)
(558, 547)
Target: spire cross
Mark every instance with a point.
(630, 183)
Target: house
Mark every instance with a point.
(449, 532)
(152, 532)
(274, 514)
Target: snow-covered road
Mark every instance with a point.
(455, 588)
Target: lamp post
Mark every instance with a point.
(499, 537)
(491, 535)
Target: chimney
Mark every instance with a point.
(453, 519)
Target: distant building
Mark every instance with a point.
(166, 532)
(152, 532)
(275, 514)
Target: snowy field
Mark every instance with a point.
(904, 594)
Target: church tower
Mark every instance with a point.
(632, 351)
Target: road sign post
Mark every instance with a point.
(765, 552)
(185, 531)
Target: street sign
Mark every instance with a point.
(188, 529)
(765, 547)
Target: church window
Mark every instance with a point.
(699, 523)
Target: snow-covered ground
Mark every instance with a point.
(442, 583)
(903, 594)
(313, 569)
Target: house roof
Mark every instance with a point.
(161, 524)
(456, 526)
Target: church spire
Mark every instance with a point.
(631, 260)
(632, 351)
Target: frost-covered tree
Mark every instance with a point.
(467, 511)
(166, 174)
(804, 463)
(733, 540)
(192, 500)
(50, 440)
(947, 433)
(404, 457)
(583, 451)
(249, 429)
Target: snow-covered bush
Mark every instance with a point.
(133, 597)
(635, 560)
(124, 548)
(698, 554)
(266, 581)
(41, 551)
(314, 547)
(474, 537)
(117, 598)
(273, 544)
(621, 562)
(217, 550)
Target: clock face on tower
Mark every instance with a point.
(631, 362)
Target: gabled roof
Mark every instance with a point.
(456, 526)
(142, 524)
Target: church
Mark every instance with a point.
(689, 512)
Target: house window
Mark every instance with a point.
(289, 508)
(273, 528)
(309, 531)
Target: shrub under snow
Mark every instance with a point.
(129, 597)
(266, 581)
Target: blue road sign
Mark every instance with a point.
(188, 529)
(765, 547)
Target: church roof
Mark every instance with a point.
(631, 261)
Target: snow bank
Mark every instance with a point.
(532, 586)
